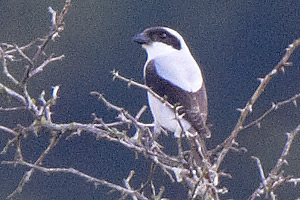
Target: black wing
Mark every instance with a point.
(194, 104)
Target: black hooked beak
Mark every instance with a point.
(141, 38)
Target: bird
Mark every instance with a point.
(173, 75)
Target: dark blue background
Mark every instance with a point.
(236, 42)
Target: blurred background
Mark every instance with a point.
(236, 42)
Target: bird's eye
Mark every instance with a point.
(164, 35)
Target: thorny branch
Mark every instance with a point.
(91, 179)
(201, 176)
(230, 141)
(248, 108)
(274, 107)
(28, 174)
(276, 176)
(204, 175)
(130, 82)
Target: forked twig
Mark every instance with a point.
(248, 108)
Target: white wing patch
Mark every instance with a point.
(180, 69)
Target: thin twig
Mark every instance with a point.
(127, 185)
(282, 160)
(274, 107)
(23, 55)
(12, 93)
(143, 86)
(13, 108)
(261, 171)
(44, 64)
(56, 28)
(13, 50)
(248, 108)
(5, 69)
(26, 177)
(275, 178)
(78, 173)
(6, 129)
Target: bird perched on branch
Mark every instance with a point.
(173, 74)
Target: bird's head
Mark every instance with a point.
(158, 41)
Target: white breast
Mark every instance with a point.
(165, 117)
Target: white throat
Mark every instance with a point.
(158, 49)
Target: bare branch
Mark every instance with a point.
(44, 64)
(13, 108)
(28, 174)
(194, 165)
(275, 178)
(24, 55)
(261, 171)
(13, 94)
(75, 172)
(122, 111)
(127, 185)
(8, 144)
(248, 108)
(12, 48)
(145, 87)
(274, 107)
(282, 160)
(3, 56)
(56, 28)
(14, 133)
